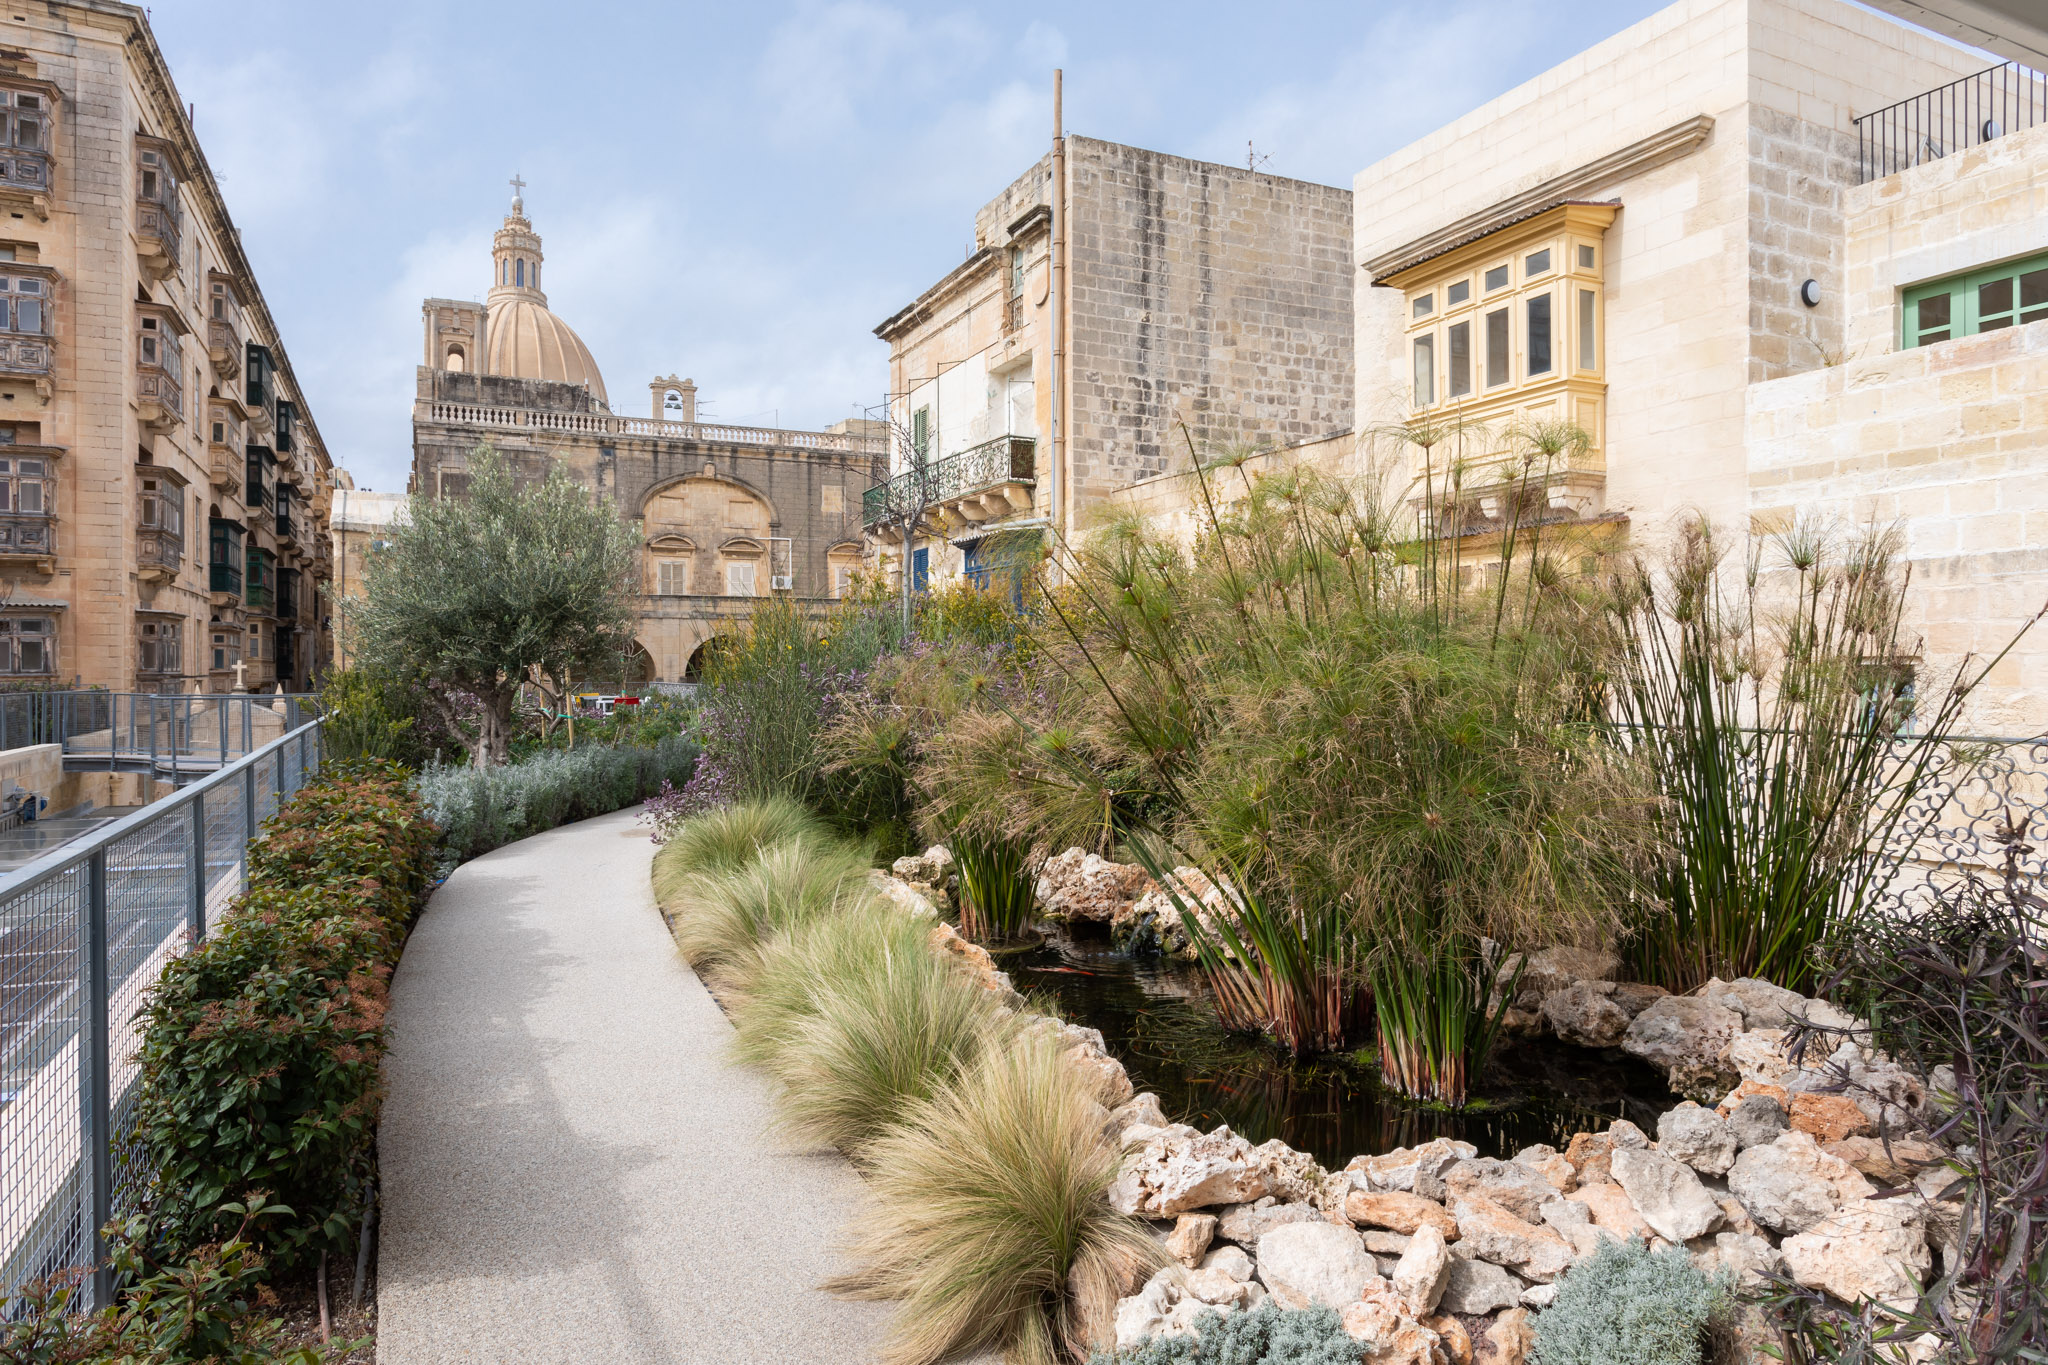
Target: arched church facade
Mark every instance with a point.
(727, 515)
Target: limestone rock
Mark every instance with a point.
(1455, 1340)
(1745, 1256)
(1423, 1270)
(1402, 1168)
(1869, 1249)
(1148, 1312)
(981, 968)
(1490, 1232)
(1244, 1224)
(1585, 1015)
(1547, 1162)
(1217, 1287)
(1478, 1287)
(1668, 1195)
(1698, 1137)
(1078, 885)
(1291, 1176)
(1232, 1261)
(1626, 1135)
(1190, 1238)
(1588, 1155)
(911, 900)
(1573, 1221)
(1390, 1335)
(1687, 1037)
(1383, 1243)
(1554, 969)
(1757, 1121)
(1400, 1211)
(1791, 1185)
(1515, 1187)
(1315, 1263)
(1761, 1004)
(1140, 1109)
(1893, 1161)
(1510, 1341)
(1173, 1174)
(1829, 1118)
(931, 872)
(1611, 1210)
(1633, 997)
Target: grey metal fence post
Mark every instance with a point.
(196, 916)
(248, 725)
(248, 811)
(95, 1078)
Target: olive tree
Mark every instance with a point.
(483, 592)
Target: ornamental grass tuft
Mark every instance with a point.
(723, 919)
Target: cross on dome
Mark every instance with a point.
(518, 201)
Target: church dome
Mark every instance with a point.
(529, 342)
(523, 339)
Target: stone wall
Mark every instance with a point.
(1205, 294)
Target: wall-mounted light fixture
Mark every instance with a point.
(1809, 293)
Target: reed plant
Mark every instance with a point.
(722, 920)
(1790, 733)
(998, 891)
(989, 1220)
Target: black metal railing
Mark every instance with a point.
(1951, 118)
(1006, 459)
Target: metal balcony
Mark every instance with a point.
(982, 483)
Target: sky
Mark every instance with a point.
(739, 193)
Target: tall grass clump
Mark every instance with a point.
(989, 1219)
(731, 836)
(998, 892)
(1381, 745)
(723, 919)
(479, 809)
(1789, 733)
(855, 1018)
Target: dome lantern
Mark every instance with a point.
(525, 340)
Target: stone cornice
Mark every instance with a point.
(1644, 154)
(922, 307)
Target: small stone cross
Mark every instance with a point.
(517, 185)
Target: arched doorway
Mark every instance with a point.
(700, 659)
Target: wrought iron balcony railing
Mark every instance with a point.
(1962, 114)
(1004, 461)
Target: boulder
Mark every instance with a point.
(1490, 1232)
(1745, 1257)
(1291, 1176)
(1546, 1161)
(1190, 1238)
(1510, 1341)
(1478, 1287)
(1418, 1170)
(1573, 1221)
(1757, 1121)
(1383, 1243)
(1588, 1154)
(1585, 1014)
(911, 900)
(1153, 921)
(932, 868)
(1888, 1161)
(1139, 1109)
(1698, 1137)
(1400, 1211)
(1791, 1185)
(1667, 1194)
(1172, 1174)
(1633, 997)
(1874, 1249)
(981, 968)
(1455, 1340)
(1515, 1187)
(1218, 1287)
(1829, 1118)
(1553, 969)
(1304, 1264)
(1761, 1004)
(1232, 1261)
(1611, 1210)
(1244, 1224)
(1149, 1312)
(1422, 1271)
(1390, 1335)
(1688, 1038)
(1078, 885)
(1626, 1135)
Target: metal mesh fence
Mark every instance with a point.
(83, 935)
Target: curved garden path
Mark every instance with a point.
(572, 1170)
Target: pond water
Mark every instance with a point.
(1155, 1017)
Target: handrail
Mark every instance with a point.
(1964, 113)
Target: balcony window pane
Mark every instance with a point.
(1588, 358)
(1457, 293)
(1539, 334)
(1585, 257)
(31, 494)
(2034, 295)
(1537, 264)
(1994, 304)
(1425, 371)
(1496, 278)
(1423, 306)
(28, 134)
(1932, 318)
(28, 316)
(1496, 347)
(1458, 346)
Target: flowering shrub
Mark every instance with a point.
(260, 1048)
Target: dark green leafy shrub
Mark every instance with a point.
(260, 1048)
(1629, 1305)
(1265, 1336)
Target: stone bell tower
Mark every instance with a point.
(675, 400)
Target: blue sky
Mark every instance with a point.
(739, 193)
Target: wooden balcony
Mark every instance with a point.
(30, 537)
(223, 347)
(31, 357)
(158, 236)
(158, 555)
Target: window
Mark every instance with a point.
(1589, 353)
(220, 302)
(255, 641)
(519, 273)
(1497, 348)
(1459, 335)
(28, 644)
(1425, 371)
(739, 578)
(155, 342)
(672, 577)
(1585, 257)
(1537, 263)
(163, 507)
(22, 120)
(1457, 292)
(920, 570)
(161, 647)
(25, 486)
(224, 559)
(1986, 300)
(156, 184)
(1496, 278)
(921, 434)
(22, 305)
(1423, 306)
(227, 648)
(1539, 334)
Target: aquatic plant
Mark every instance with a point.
(997, 889)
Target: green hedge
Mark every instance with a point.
(261, 1047)
(479, 809)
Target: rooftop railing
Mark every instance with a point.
(1951, 118)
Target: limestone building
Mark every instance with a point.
(163, 485)
(727, 514)
(1775, 257)
(1112, 294)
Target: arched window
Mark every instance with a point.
(519, 274)
(456, 359)
(504, 272)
